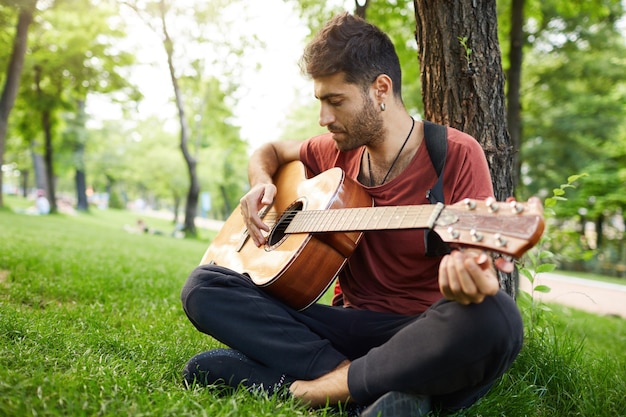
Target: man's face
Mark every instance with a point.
(348, 113)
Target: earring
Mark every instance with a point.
(382, 106)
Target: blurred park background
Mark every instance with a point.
(156, 105)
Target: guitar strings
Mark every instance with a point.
(401, 215)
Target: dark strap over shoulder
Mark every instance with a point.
(436, 137)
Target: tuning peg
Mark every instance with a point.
(453, 232)
(500, 240)
(470, 204)
(492, 204)
(476, 237)
(516, 207)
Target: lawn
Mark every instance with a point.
(91, 325)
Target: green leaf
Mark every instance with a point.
(542, 289)
(545, 268)
(549, 212)
(573, 178)
(545, 307)
(527, 274)
(545, 254)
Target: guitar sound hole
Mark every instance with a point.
(278, 234)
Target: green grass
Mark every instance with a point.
(91, 325)
(573, 364)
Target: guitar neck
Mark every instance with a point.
(362, 219)
(508, 228)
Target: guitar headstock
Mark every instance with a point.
(509, 228)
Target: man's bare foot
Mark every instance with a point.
(329, 389)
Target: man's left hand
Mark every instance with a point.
(467, 277)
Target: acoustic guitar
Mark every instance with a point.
(316, 223)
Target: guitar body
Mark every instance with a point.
(296, 268)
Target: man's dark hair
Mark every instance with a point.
(351, 45)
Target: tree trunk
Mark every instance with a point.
(46, 126)
(176, 207)
(360, 8)
(24, 174)
(514, 82)
(463, 82)
(80, 180)
(48, 159)
(194, 185)
(79, 157)
(599, 231)
(13, 74)
(39, 168)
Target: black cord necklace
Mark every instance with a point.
(369, 163)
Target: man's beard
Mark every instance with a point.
(366, 128)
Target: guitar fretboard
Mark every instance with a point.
(360, 219)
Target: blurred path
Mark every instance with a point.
(593, 296)
(209, 224)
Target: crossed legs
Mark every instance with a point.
(452, 353)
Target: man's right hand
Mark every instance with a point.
(263, 164)
(259, 196)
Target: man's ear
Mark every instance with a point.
(383, 87)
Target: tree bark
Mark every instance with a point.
(177, 200)
(80, 177)
(599, 231)
(193, 194)
(80, 180)
(463, 82)
(360, 8)
(48, 159)
(514, 82)
(46, 125)
(24, 175)
(13, 74)
(39, 168)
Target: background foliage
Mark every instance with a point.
(573, 96)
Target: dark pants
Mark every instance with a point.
(451, 352)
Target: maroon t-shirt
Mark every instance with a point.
(389, 272)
